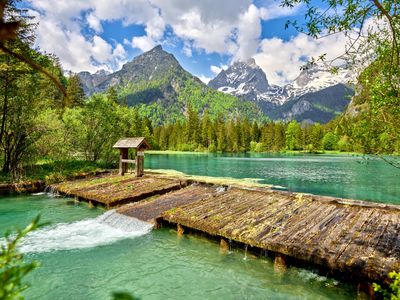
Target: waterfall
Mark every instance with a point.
(103, 230)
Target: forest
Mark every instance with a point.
(45, 115)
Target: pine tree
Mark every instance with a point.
(112, 95)
(293, 136)
(205, 129)
(75, 92)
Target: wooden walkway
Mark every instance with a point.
(346, 236)
(353, 237)
(111, 191)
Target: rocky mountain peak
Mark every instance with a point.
(316, 94)
(154, 64)
(242, 78)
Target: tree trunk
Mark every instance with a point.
(5, 108)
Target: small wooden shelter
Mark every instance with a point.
(139, 144)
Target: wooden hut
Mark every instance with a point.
(139, 144)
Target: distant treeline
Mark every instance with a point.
(200, 133)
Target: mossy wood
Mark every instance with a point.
(359, 237)
(111, 191)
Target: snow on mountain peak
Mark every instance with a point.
(247, 80)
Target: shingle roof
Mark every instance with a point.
(135, 142)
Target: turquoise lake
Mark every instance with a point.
(346, 176)
(84, 257)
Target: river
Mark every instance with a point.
(84, 257)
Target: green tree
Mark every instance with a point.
(316, 136)
(112, 95)
(293, 136)
(75, 92)
(192, 131)
(206, 129)
(91, 130)
(329, 141)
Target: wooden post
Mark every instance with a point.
(139, 163)
(179, 230)
(365, 291)
(123, 154)
(223, 246)
(280, 263)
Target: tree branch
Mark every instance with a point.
(37, 67)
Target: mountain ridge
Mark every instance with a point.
(294, 100)
(156, 83)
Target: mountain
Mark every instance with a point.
(90, 81)
(316, 95)
(249, 82)
(156, 83)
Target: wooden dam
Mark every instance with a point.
(345, 236)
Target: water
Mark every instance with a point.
(87, 254)
(343, 176)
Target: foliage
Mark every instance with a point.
(293, 136)
(76, 95)
(13, 269)
(24, 93)
(371, 123)
(52, 171)
(392, 292)
(164, 100)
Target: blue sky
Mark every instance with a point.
(204, 35)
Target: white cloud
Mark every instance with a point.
(205, 79)
(281, 60)
(61, 23)
(249, 31)
(94, 23)
(75, 51)
(187, 49)
(216, 70)
(144, 43)
(224, 26)
(273, 10)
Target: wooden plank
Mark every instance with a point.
(131, 161)
(323, 230)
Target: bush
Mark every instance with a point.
(329, 141)
(12, 266)
(392, 292)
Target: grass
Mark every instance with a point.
(52, 171)
(245, 182)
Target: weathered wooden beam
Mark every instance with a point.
(123, 155)
(139, 165)
(365, 291)
(180, 230)
(279, 262)
(130, 161)
(224, 246)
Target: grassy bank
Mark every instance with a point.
(52, 171)
(246, 182)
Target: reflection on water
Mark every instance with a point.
(333, 175)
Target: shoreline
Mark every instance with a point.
(263, 153)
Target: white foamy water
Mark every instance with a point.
(103, 230)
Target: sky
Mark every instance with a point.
(205, 36)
